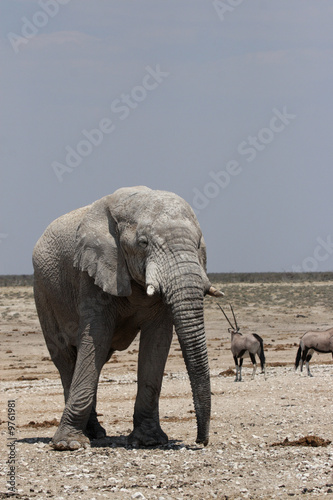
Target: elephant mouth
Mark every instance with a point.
(153, 284)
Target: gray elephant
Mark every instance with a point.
(132, 261)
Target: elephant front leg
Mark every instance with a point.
(79, 417)
(153, 352)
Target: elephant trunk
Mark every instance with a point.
(184, 294)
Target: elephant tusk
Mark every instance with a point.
(150, 290)
(215, 293)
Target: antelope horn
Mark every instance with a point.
(215, 293)
(226, 317)
(234, 316)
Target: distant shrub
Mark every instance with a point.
(27, 279)
(16, 280)
(269, 277)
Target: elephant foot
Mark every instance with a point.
(62, 441)
(94, 430)
(147, 434)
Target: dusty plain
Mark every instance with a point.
(248, 418)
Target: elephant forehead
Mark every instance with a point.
(160, 214)
(158, 202)
(163, 228)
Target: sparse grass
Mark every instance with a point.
(27, 279)
(16, 280)
(283, 290)
(17, 294)
(281, 295)
(270, 277)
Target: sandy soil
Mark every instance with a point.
(248, 418)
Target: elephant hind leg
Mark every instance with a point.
(62, 354)
(65, 361)
(64, 357)
(56, 336)
(94, 430)
(79, 420)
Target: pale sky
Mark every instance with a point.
(227, 103)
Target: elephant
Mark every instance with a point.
(133, 261)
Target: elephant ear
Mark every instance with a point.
(203, 262)
(202, 253)
(98, 252)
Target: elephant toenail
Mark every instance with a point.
(61, 445)
(74, 445)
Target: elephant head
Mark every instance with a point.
(153, 239)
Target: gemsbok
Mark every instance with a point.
(250, 344)
(310, 342)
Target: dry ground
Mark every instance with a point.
(247, 418)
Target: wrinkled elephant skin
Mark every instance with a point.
(133, 261)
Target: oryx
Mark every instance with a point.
(310, 342)
(244, 345)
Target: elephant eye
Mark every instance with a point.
(143, 241)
